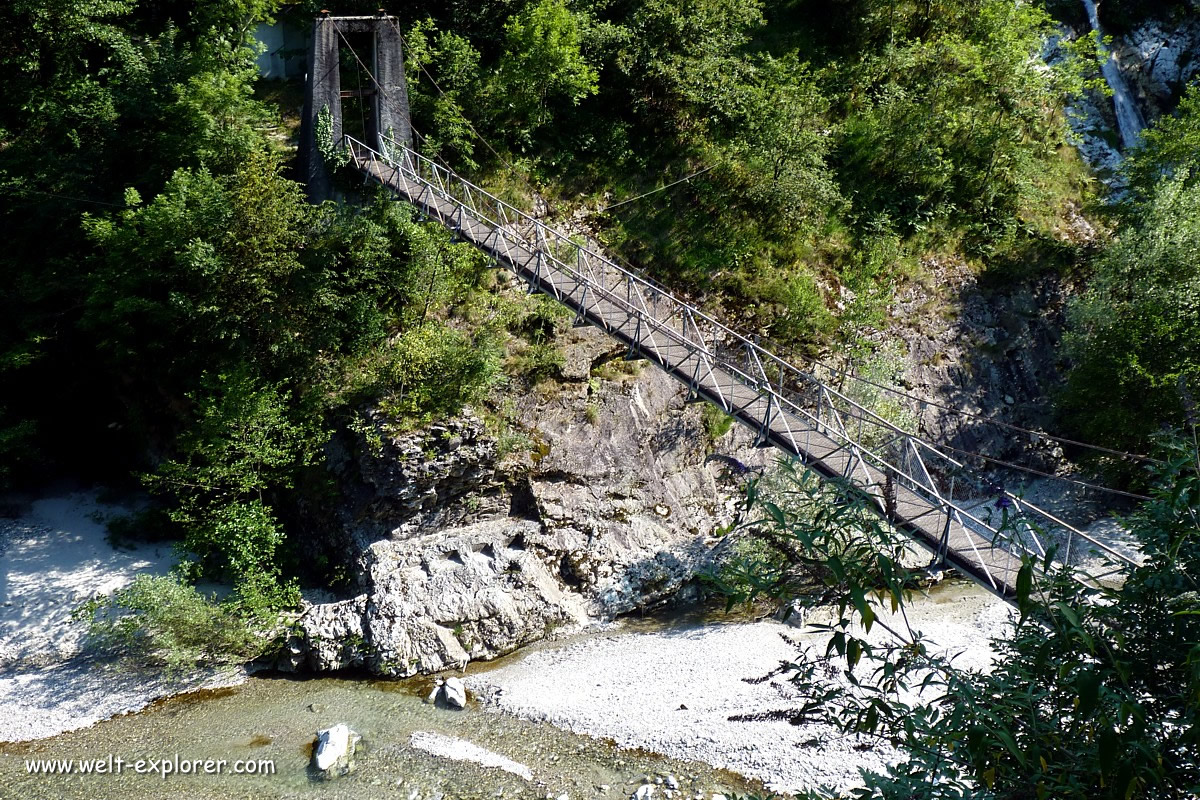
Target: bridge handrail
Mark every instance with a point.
(761, 383)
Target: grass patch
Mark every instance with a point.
(716, 422)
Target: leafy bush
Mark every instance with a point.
(1170, 146)
(1132, 336)
(715, 421)
(538, 361)
(435, 370)
(243, 444)
(163, 621)
(543, 63)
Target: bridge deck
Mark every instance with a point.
(812, 440)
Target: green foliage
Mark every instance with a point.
(822, 544)
(162, 621)
(242, 446)
(957, 118)
(1168, 148)
(100, 96)
(1095, 694)
(15, 445)
(779, 142)
(436, 370)
(334, 154)
(715, 421)
(539, 361)
(450, 60)
(543, 63)
(198, 277)
(829, 144)
(1132, 334)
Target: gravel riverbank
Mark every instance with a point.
(53, 556)
(673, 691)
(667, 687)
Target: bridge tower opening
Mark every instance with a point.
(356, 85)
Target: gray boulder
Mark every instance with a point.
(454, 693)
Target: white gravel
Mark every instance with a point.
(673, 691)
(51, 559)
(461, 750)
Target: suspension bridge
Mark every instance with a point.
(947, 505)
(907, 480)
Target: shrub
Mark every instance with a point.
(436, 370)
(1132, 336)
(163, 621)
(539, 361)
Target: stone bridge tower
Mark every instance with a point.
(382, 70)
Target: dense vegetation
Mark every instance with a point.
(1133, 333)
(834, 149)
(210, 336)
(171, 308)
(835, 142)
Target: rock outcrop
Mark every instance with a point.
(984, 350)
(598, 498)
(1158, 59)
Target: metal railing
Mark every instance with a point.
(789, 407)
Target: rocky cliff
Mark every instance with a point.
(606, 502)
(1158, 58)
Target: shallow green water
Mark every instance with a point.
(275, 718)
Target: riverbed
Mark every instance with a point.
(595, 716)
(273, 719)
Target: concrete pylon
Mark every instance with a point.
(389, 114)
(391, 108)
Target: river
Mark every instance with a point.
(274, 719)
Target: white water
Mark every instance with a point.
(1129, 119)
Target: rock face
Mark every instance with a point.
(986, 351)
(1159, 58)
(599, 498)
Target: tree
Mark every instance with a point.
(1170, 146)
(451, 61)
(246, 444)
(1095, 694)
(781, 145)
(953, 118)
(99, 97)
(1131, 337)
(543, 63)
(201, 277)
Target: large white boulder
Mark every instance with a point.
(454, 693)
(335, 749)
